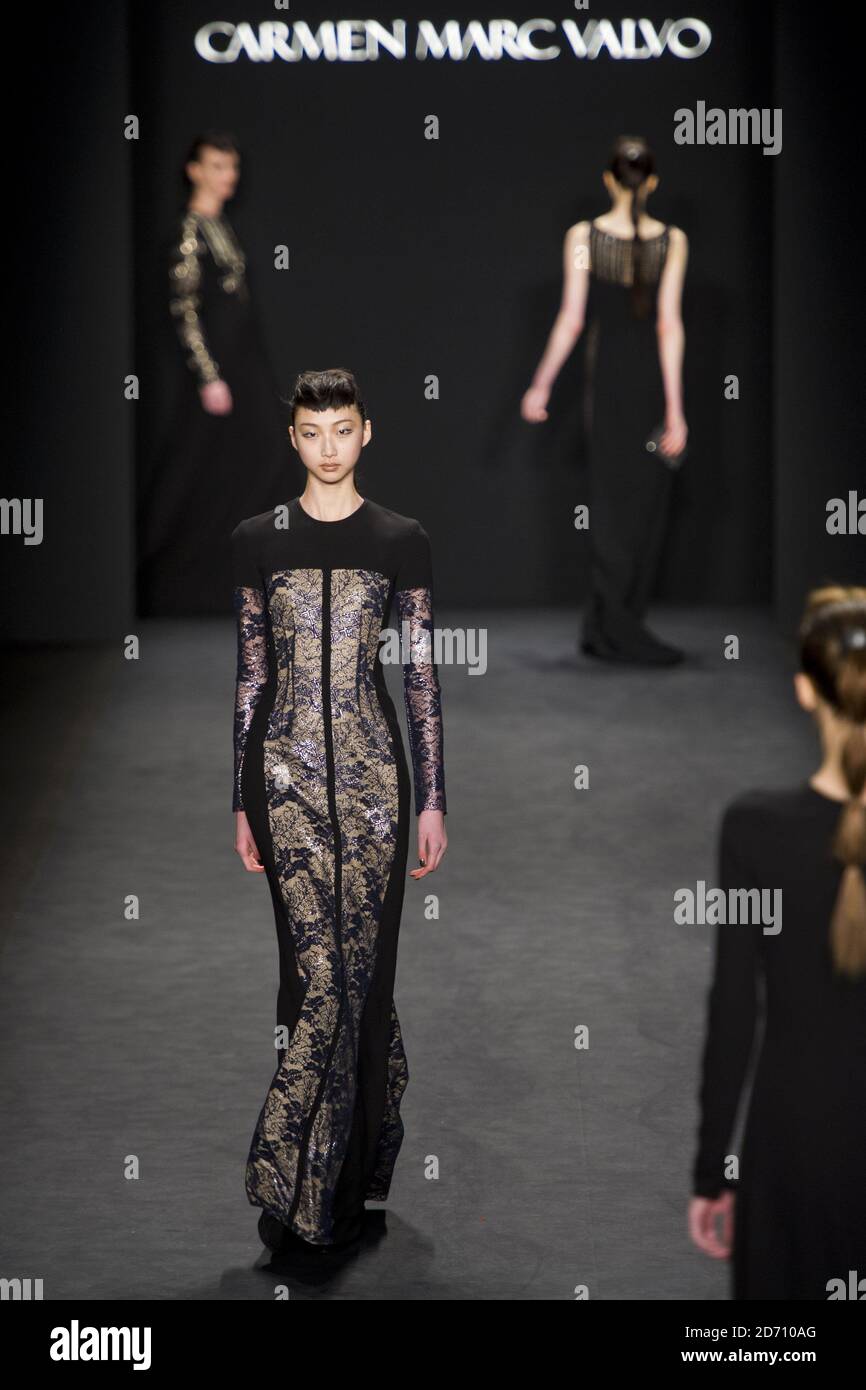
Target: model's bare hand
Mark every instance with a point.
(676, 432)
(533, 407)
(432, 842)
(246, 845)
(216, 398)
(703, 1213)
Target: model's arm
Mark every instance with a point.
(414, 604)
(185, 301)
(568, 324)
(252, 650)
(672, 340)
(423, 699)
(732, 1009)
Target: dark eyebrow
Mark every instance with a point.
(347, 420)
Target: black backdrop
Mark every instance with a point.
(412, 257)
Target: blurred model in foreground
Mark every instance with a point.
(795, 1219)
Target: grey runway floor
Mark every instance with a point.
(136, 1053)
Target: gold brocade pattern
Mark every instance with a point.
(200, 234)
(252, 673)
(333, 805)
(226, 251)
(423, 699)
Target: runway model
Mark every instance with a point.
(623, 279)
(224, 455)
(798, 1209)
(322, 797)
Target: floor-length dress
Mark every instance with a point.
(210, 469)
(800, 1208)
(321, 773)
(623, 403)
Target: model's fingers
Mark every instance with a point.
(435, 846)
(708, 1239)
(702, 1241)
(721, 1245)
(702, 1228)
(430, 852)
(696, 1226)
(438, 852)
(250, 857)
(728, 1224)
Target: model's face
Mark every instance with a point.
(216, 172)
(329, 441)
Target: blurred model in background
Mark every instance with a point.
(224, 455)
(623, 281)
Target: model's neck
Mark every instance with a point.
(830, 781)
(621, 211)
(330, 503)
(205, 205)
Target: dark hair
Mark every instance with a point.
(833, 655)
(326, 390)
(213, 139)
(631, 162)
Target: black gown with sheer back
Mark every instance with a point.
(629, 487)
(321, 773)
(777, 1000)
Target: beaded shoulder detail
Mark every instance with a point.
(198, 235)
(611, 257)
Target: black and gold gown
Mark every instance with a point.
(211, 469)
(624, 402)
(321, 774)
(800, 1209)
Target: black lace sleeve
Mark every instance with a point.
(252, 653)
(185, 299)
(420, 676)
(732, 1012)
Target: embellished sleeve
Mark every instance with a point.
(185, 300)
(732, 1012)
(414, 600)
(252, 653)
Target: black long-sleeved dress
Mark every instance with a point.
(800, 1210)
(211, 469)
(321, 774)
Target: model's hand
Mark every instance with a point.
(216, 398)
(703, 1212)
(676, 432)
(432, 842)
(533, 407)
(246, 845)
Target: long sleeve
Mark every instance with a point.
(185, 272)
(732, 1011)
(420, 677)
(252, 650)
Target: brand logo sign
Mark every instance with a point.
(493, 40)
